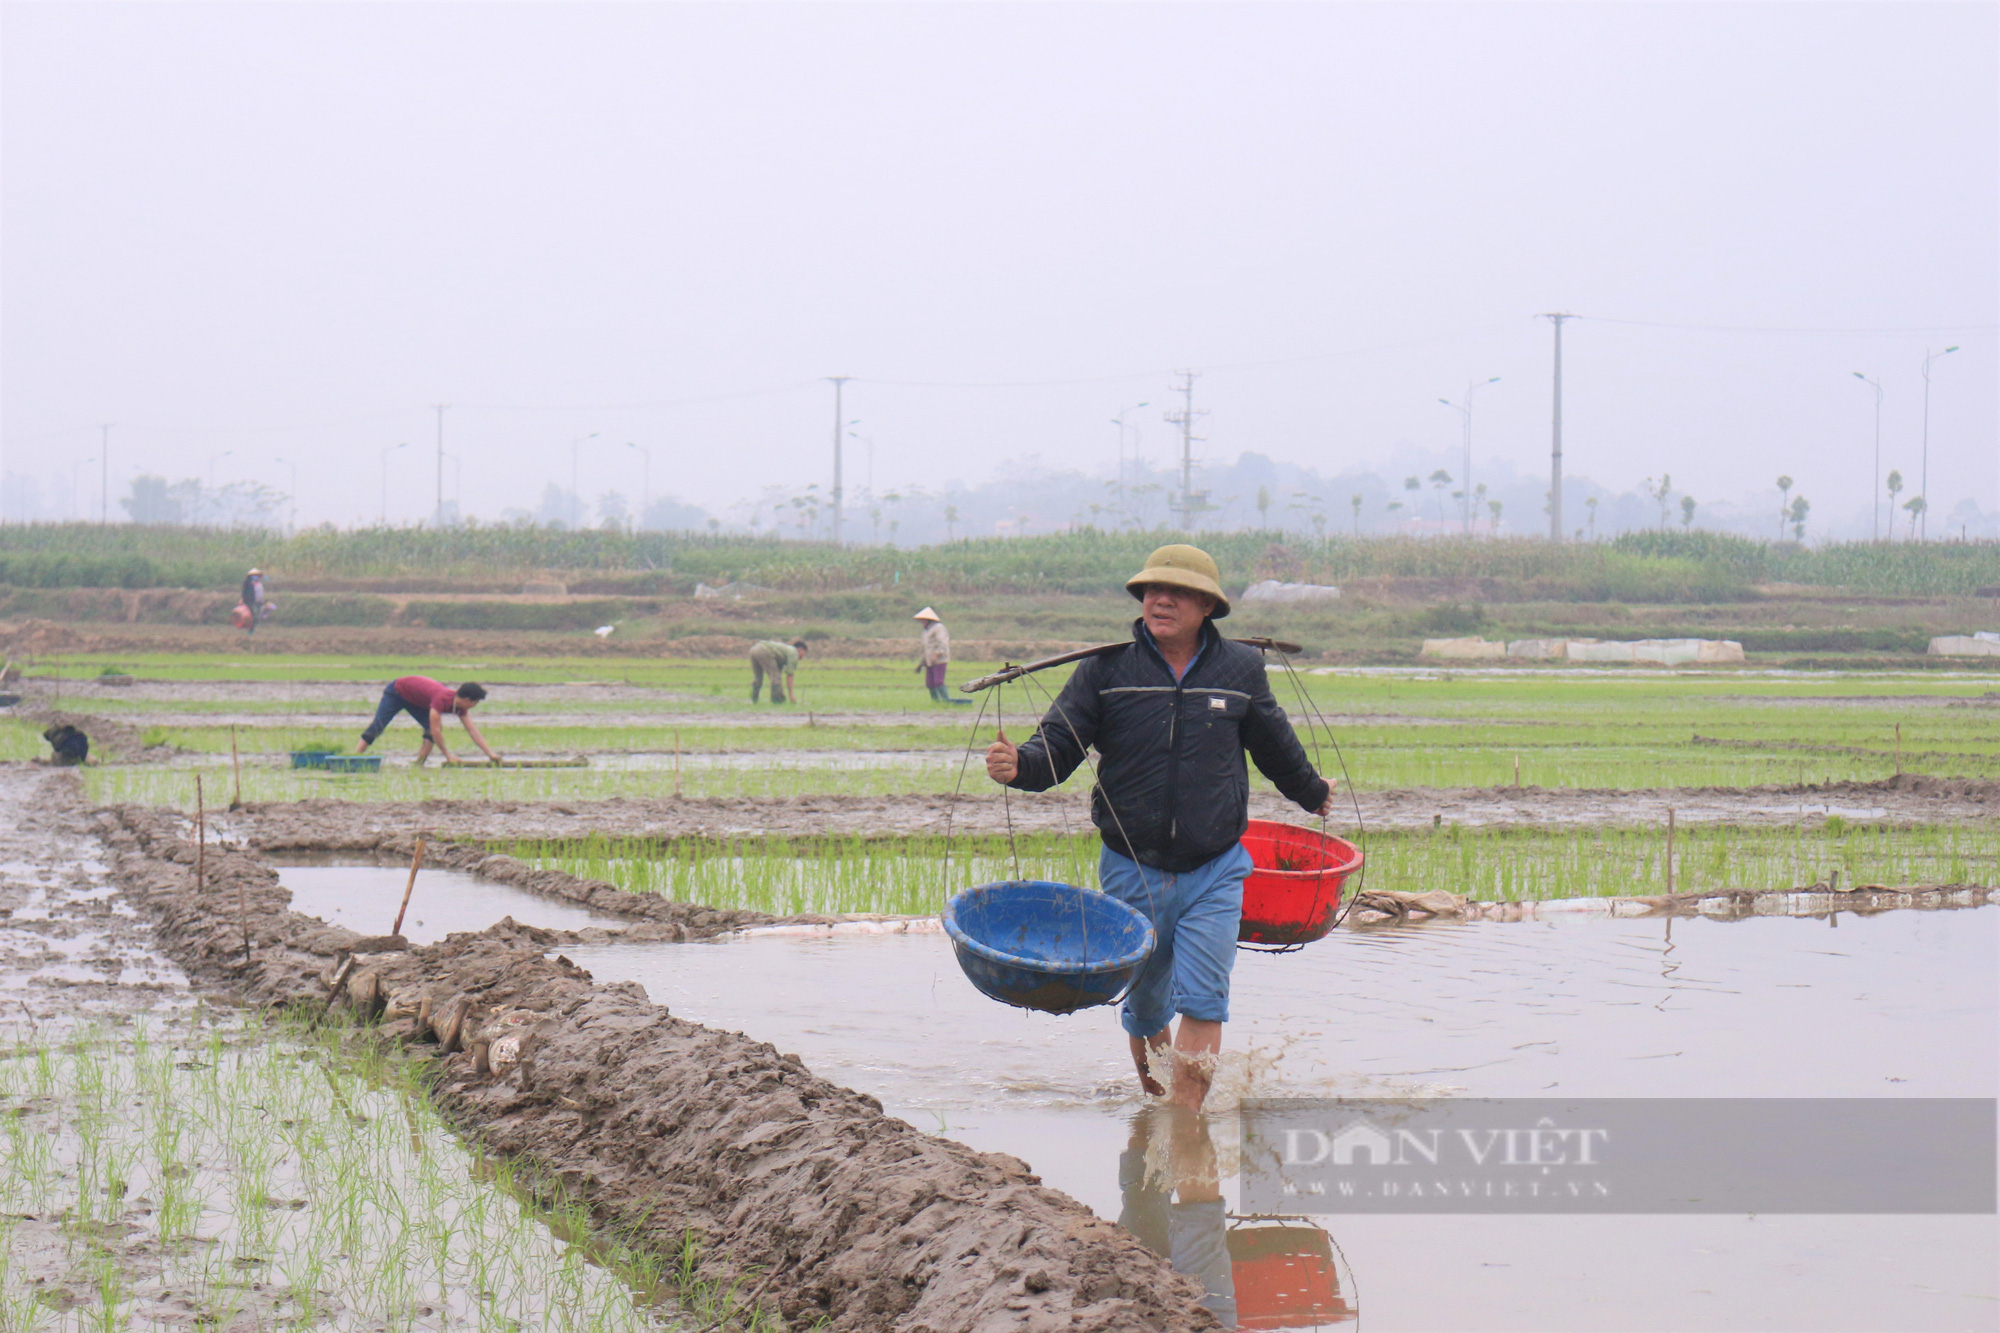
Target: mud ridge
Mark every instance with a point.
(1390, 907)
(362, 826)
(800, 1189)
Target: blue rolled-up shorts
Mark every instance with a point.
(385, 713)
(1195, 914)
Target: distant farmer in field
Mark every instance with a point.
(1171, 715)
(251, 608)
(429, 703)
(934, 655)
(779, 661)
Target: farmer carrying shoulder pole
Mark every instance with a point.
(429, 704)
(934, 655)
(251, 607)
(779, 661)
(1171, 716)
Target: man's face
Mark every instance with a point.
(1172, 613)
(462, 705)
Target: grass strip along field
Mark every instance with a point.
(274, 1175)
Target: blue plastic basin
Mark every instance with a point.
(1036, 944)
(310, 758)
(352, 763)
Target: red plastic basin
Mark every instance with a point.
(1294, 891)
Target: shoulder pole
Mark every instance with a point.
(1013, 672)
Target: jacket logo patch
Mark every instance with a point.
(1217, 704)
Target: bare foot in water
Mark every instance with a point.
(1142, 1060)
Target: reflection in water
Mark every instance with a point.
(1256, 1272)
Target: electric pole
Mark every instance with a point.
(839, 383)
(1185, 419)
(440, 463)
(1556, 438)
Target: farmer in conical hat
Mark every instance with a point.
(934, 655)
(1171, 715)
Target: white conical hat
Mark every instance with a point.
(928, 614)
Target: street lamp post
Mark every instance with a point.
(576, 498)
(645, 477)
(385, 478)
(1924, 473)
(1119, 421)
(1877, 487)
(1465, 413)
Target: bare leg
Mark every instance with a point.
(1144, 1049)
(1196, 1046)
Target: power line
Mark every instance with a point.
(1756, 328)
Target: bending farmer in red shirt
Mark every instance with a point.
(430, 704)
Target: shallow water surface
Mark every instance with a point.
(1894, 1005)
(364, 898)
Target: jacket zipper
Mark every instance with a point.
(1174, 753)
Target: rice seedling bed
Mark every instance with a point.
(909, 876)
(201, 1175)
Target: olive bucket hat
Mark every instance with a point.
(1182, 567)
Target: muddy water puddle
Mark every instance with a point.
(1895, 1005)
(364, 897)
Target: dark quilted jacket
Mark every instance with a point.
(1172, 790)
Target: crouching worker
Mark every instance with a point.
(429, 703)
(1171, 715)
(779, 661)
(69, 744)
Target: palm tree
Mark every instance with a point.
(1687, 512)
(1263, 508)
(1493, 506)
(1413, 486)
(1895, 485)
(1355, 502)
(1784, 504)
(950, 522)
(1800, 508)
(1590, 507)
(1915, 504)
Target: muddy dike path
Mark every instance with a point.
(803, 1192)
(331, 825)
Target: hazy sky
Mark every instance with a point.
(283, 230)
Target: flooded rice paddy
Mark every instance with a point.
(1894, 1005)
(364, 898)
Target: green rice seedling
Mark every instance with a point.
(785, 876)
(227, 1134)
(909, 876)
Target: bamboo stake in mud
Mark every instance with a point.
(1899, 749)
(236, 762)
(1670, 850)
(200, 839)
(677, 763)
(415, 862)
(1517, 772)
